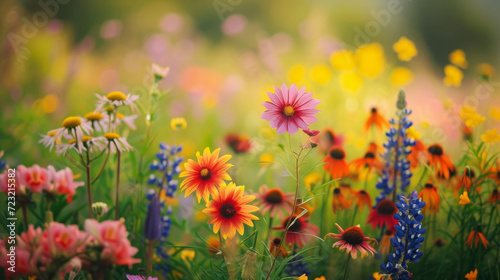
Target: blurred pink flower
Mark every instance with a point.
(35, 178)
(4, 183)
(138, 277)
(234, 24)
(112, 235)
(63, 183)
(110, 29)
(171, 22)
(290, 109)
(59, 239)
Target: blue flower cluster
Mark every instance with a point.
(397, 148)
(408, 237)
(167, 163)
(296, 267)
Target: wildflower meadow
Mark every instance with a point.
(150, 140)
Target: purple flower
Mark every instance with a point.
(152, 229)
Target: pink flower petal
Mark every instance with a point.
(269, 115)
(292, 94)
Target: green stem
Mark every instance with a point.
(345, 268)
(89, 183)
(117, 207)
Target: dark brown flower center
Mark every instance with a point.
(274, 196)
(295, 226)
(388, 232)
(227, 211)
(386, 207)
(429, 186)
(288, 111)
(353, 236)
(276, 241)
(362, 192)
(435, 150)
(205, 174)
(374, 110)
(337, 153)
(369, 155)
(470, 173)
(329, 136)
(336, 191)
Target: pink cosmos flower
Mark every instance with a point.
(290, 109)
(138, 277)
(62, 182)
(274, 201)
(35, 178)
(353, 240)
(112, 235)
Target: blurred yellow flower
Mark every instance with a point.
(448, 103)
(265, 159)
(311, 179)
(486, 70)
(48, 103)
(268, 134)
(370, 59)
(457, 57)
(495, 113)
(296, 74)
(401, 76)
(405, 49)
(321, 74)
(303, 277)
(413, 133)
(464, 199)
(453, 76)
(351, 81)
(178, 124)
(187, 254)
(466, 112)
(474, 120)
(343, 60)
(491, 136)
(200, 216)
(320, 278)
(377, 276)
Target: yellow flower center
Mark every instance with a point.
(52, 133)
(116, 96)
(289, 111)
(72, 141)
(110, 109)
(205, 173)
(71, 122)
(111, 136)
(94, 116)
(120, 116)
(86, 138)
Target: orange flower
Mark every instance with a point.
(471, 275)
(213, 245)
(440, 161)
(336, 164)
(383, 214)
(464, 199)
(327, 138)
(467, 133)
(418, 154)
(206, 175)
(362, 199)
(229, 210)
(299, 232)
(385, 242)
(274, 201)
(467, 180)
(494, 197)
(377, 120)
(339, 201)
(346, 190)
(275, 251)
(495, 173)
(431, 198)
(368, 160)
(475, 236)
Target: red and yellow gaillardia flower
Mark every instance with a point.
(377, 120)
(440, 161)
(206, 175)
(383, 214)
(494, 197)
(352, 240)
(273, 200)
(431, 198)
(300, 232)
(229, 210)
(336, 165)
(474, 237)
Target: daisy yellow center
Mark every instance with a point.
(274, 196)
(110, 109)
(71, 122)
(205, 173)
(112, 135)
(337, 153)
(120, 116)
(288, 111)
(72, 141)
(94, 116)
(295, 226)
(116, 96)
(353, 236)
(52, 133)
(386, 207)
(227, 211)
(86, 138)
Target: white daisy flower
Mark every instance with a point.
(49, 139)
(128, 120)
(159, 72)
(96, 120)
(117, 99)
(88, 142)
(116, 141)
(73, 128)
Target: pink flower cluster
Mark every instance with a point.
(60, 248)
(36, 179)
